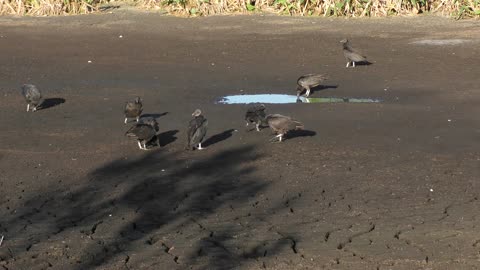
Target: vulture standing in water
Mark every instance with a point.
(144, 131)
(255, 114)
(308, 81)
(133, 109)
(32, 96)
(197, 129)
(281, 125)
(351, 55)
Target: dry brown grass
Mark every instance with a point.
(341, 8)
(47, 7)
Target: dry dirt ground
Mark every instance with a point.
(392, 185)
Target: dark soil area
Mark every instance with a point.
(391, 185)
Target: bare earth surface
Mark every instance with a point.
(392, 185)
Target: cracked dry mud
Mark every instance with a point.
(392, 185)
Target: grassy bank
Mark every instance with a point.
(48, 7)
(339, 8)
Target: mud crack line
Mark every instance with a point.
(293, 242)
(350, 239)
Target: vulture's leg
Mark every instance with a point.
(247, 129)
(257, 126)
(126, 120)
(200, 146)
(276, 138)
(299, 92)
(353, 62)
(348, 64)
(138, 118)
(28, 107)
(34, 108)
(139, 145)
(308, 92)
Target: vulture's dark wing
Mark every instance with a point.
(255, 113)
(31, 93)
(132, 109)
(311, 80)
(353, 54)
(197, 129)
(279, 122)
(142, 132)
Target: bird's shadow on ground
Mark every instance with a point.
(363, 63)
(153, 115)
(50, 102)
(167, 137)
(322, 87)
(300, 133)
(218, 137)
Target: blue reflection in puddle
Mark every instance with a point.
(285, 99)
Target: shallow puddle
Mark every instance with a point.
(284, 99)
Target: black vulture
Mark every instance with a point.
(255, 114)
(351, 55)
(281, 125)
(197, 129)
(144, 131)
(32, 96)
(308, 81)
(133, 109)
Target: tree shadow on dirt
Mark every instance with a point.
(219, 250)
(127, 210)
